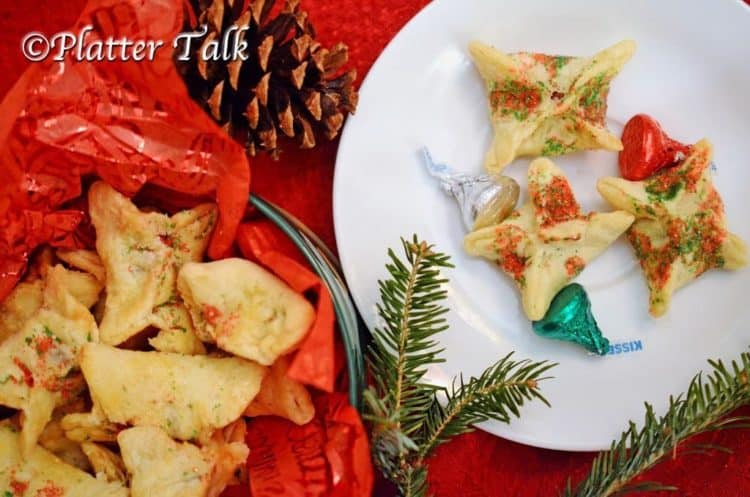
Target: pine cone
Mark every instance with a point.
(289, 83)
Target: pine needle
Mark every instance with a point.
(495, 394)
(411, 417)
(703, 408)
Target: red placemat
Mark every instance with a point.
(477, 464)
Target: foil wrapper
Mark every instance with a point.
(648, 149)
(484, 200)
(569, 318)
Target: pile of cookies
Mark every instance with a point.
(132, 369)
(544, 105)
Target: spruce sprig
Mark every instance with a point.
(495, 394)
(702, 408)
(404, 346)
(410, 417)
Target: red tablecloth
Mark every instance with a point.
(473, 465)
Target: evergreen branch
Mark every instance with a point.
(389, 445)
(407, 416)
(496, 394)
(403, 348)
(415, 481)
(412, 316)
(701, 409)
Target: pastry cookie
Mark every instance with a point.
(160, 466)
(548, 105)
(38, 472)
(186, 396)
(38, 360)
(244, 309)
(142, 253)
(681, 230)
(547, 242)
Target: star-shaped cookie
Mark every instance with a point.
(548, 105)
(142, 253)
(681, 229)
(549, 241)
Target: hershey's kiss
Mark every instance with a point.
(569, 318)
(647, 148)
(484, 200)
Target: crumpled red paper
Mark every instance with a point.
(314, 363)
(129, 123)
(328, 457)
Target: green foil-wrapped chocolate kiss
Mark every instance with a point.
(569, 318)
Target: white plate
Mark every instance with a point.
(691, 71)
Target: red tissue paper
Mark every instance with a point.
(127, 122)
